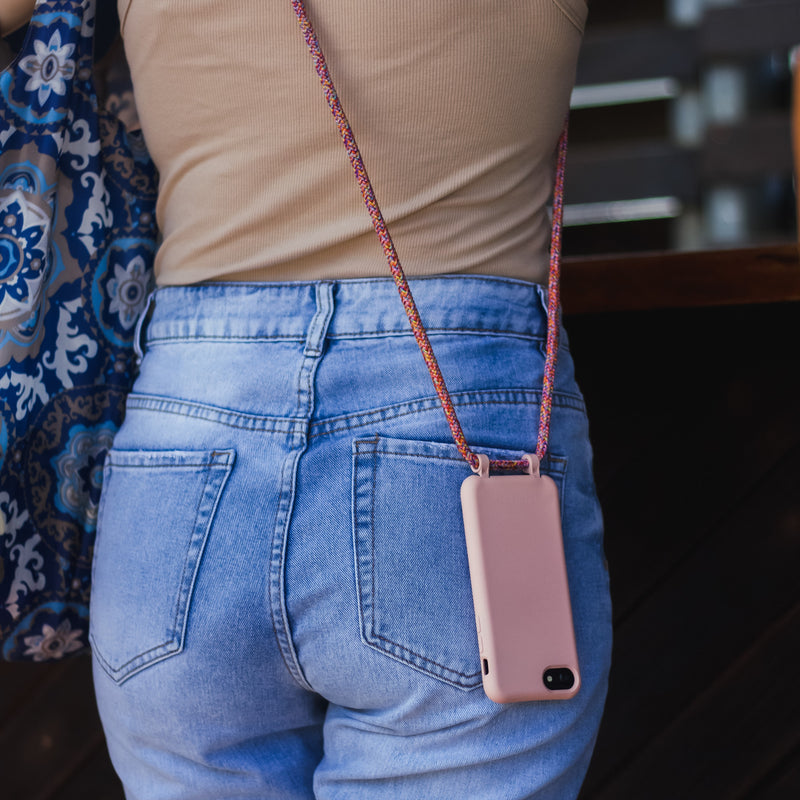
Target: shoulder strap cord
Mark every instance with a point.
(368, 195)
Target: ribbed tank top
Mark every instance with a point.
(456, 104)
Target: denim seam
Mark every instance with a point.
(354, 506)
(116, 670)
(204, 464)
(312, 353)
(232, 419)
(164, 339)
(548, 459)
(276, 570)
(221, 339)
(372, 449)
(372, 537)
(561, 483)
(436, 331)
(370, 417)
(179, 600)
(217, 458)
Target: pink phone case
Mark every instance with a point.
(519, 586)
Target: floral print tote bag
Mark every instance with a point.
(77, 240)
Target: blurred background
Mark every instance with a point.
(680, 129)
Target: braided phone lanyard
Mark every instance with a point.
(477, 463)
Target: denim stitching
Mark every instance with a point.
(423, 662)
(371, 416)
(440, 331)
(179, 599)
(275, 578)
(372, 537)
(305, 400)
(549, 460)
(165, 339)
(203, 464)
(354, 494)
(217, 414)
(115, 671)
(215, 457)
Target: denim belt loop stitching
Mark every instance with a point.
(318, 329)
(138, 334)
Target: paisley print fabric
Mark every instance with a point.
(77, 240)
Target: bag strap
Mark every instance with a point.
(421, 336)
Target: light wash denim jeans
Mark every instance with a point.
(281, 604)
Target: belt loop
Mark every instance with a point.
(318, 329)
(542, 293)
(144, 316)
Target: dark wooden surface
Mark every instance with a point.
(640, 281)
(697, 441)
(697, 452)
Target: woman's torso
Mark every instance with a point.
(456, 105)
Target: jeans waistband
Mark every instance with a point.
(361, 307)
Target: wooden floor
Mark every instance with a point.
(696, 425)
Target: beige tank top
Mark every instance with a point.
(456, 105)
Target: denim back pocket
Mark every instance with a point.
(155, 514)
(412, 574)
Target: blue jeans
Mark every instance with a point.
(281, 604)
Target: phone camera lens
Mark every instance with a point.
(559, 678)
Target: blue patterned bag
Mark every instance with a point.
(77, 240)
